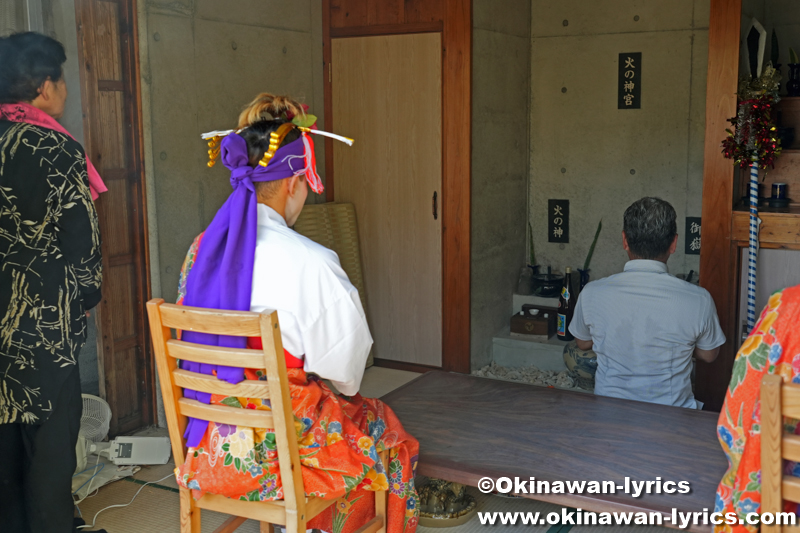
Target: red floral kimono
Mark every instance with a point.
(339, 438)
(773, 347)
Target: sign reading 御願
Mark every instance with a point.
(630, 81)
(692, 236)
(558, 221)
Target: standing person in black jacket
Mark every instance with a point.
(50, 275)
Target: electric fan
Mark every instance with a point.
(95, 420)
(122, 450)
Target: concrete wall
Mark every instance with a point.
(500, 99)
(202, 61)
(600, 158)
(12, 17)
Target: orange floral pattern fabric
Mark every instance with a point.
(773, 347)
(339, 438)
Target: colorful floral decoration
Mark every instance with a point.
(754, 135)
(773, 347)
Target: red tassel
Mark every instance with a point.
(311, 166)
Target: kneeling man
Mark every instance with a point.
(644, 324)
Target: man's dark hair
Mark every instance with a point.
(650, 226)
(27, 60)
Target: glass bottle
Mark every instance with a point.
(566, 306)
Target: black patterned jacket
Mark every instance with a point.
(50, 266)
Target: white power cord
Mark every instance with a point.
(91, 479)
(94, 520)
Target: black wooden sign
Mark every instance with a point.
(692, 235)
(558, 220)
(630, 81)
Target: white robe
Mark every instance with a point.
(320, 313)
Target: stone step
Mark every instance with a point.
(514, 351)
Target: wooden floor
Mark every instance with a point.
(471, 427)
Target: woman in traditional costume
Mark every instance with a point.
(249, 258)
(773, 347)
(50, 275)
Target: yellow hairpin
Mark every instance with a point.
(213, 150)
(275, 140)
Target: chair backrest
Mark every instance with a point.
(168, 350)
(778, 400)
(334, 226)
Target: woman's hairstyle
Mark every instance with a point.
(267, 106)
(650, 227)
(259, 118)
(27, 60)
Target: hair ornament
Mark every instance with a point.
(347, 140)
(213, 139)
(275, 139)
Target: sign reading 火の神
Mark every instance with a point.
(630, 81)
(693, 235)
(558, 220)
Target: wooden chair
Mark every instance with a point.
(778, 400)
(296, 509)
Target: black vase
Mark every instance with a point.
(793, 85)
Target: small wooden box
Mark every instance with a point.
(532, 321)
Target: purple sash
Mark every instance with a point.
(222, 275)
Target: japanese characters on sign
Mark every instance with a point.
(692, 235)
(558, 221)
(630, 81)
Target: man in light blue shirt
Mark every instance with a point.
(644, 324)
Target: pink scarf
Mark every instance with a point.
(22, 112)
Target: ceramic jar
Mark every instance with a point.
(582, 365)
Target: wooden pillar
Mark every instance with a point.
(719, 262)
(456, 184)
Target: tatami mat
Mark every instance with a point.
(380, 381)
(157, 509)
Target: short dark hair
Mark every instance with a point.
(650, 226)
(27, 60)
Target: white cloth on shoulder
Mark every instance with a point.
(320, 313)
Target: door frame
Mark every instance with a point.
(135, 175)
(455, 24)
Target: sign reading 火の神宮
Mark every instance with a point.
(630, 81)
(692, 236)
(558, 220)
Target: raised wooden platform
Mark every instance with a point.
(470, 427)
